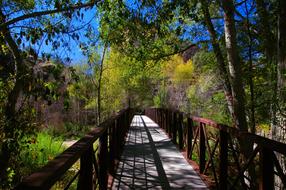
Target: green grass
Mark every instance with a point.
(46, 145)
(39, 150)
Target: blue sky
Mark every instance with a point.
(73, 51)
(195, 33)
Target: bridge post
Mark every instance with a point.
(118, 137)
(180, 130)
(124, 123)
(202, 148)
(223, 152)
(170, 121)
(160, 118)
(112, 142)
(174, 128)
(103, 161)
(85, 174)
(164, 119)
(267, 169)
(189, 137)
(156, 115)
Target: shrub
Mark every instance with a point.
(68, 131)
(38, 151)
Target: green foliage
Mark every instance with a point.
(23, 124)
(68, 130)
(72, 130)
(38, 151)
(160, 100)
(205, 94)
(125, 28)
(205, 60)
(141, 65)
(183, 72)
(125, 78)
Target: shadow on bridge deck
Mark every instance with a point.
(151, 161)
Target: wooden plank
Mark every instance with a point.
(151, 161)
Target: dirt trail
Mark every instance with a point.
(69, 143)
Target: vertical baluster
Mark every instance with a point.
(174, 135)
(160, 117)
(180, 130)
(223, 160)
(118, 136)
(167, 121)
(267, 169)
(112, 145)
(189, 137)
(155, 113)
(202, 148)
(86, 169)
(163, 120)
(170, 123)
(103, 164)
(123, 127)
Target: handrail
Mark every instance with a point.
(110, 133)
(227, 158)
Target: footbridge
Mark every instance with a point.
(164, 149)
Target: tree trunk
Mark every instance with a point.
(250, 78)
(281, 71)
(268, 46)
(234, 65)
(235, 71)
(219, 57)
(267, 37)
(10, 107)
(99, 85)
(278, 128)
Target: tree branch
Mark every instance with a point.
(46, 12)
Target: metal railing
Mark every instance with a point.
(233, 159)
(96, 163)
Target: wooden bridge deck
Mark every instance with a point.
(151, 161)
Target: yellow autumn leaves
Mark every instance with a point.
(179, 71)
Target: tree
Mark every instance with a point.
(14, 14)
(234, 65)
(99, 84)
(281, 70)
(219, 57)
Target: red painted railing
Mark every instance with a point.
(233, 159)
(95, 163)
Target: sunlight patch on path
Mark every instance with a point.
(151, 161)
